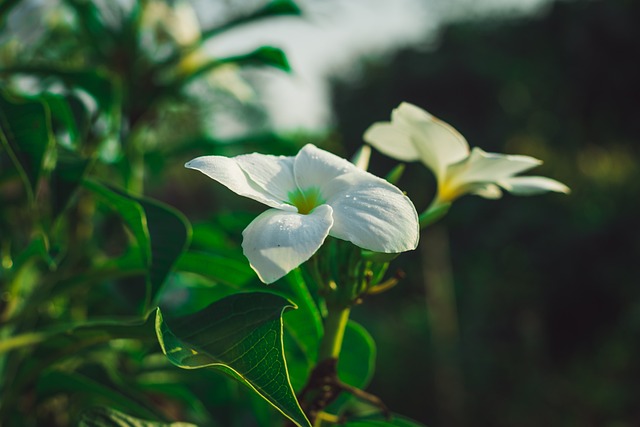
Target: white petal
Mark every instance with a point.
(372, 214)
(488, 191)
(314, 167)
(530, 185)
(392, 140)
(438, 144)
(273, 173)
(488, 168)
(227, 172)
(276, 242)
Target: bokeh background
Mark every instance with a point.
(517, 312)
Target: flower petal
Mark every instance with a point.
(438, 144)
(228, 173)
(530, 185)
(488, 191)
(481, 166)
(276, 242)
(314, 167)
(273, 173)
(391, 140)
(372, 214)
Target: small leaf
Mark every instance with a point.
(271, 56)
(280, 7)
(108, 417)
(25, 132)
(240, 335)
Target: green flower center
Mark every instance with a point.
(306, 200)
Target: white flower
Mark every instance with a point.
(312, 195)
(413, 134)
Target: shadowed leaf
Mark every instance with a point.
(108, 417)
(240, 335)
(25, 132)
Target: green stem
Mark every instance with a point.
(334, 327)
(435, 212)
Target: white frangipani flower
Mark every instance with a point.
(312, 195)
(414, 134)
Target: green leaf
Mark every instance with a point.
(268, 55)
(132, 214)
(264, 56)
(62, 334)
(53, 382)
(357, 361)
(108, 417)
(305, 324)
(65, 179)
(169, 231)
(62, 116)
(240, 335)
(379, 421)
(161, 231)
(102, 86)
(25, 133)
(273, 8)
(219, 268)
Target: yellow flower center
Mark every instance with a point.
(307, 200)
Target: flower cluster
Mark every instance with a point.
(413, 134)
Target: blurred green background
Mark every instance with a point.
(517, 312)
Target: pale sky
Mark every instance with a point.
(332, 37)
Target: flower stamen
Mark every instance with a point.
(306, 201)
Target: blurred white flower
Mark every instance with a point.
(312, 195)
(414, 134)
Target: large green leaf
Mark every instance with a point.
(162, 232)
(240, 335)
(25, 133)
(108, 417)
